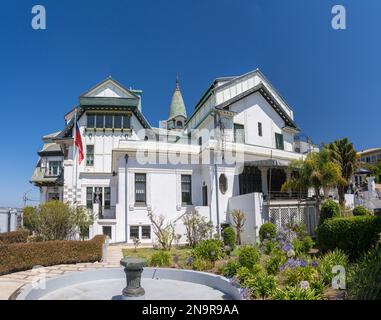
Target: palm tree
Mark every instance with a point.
(344, 154)
(317, 171)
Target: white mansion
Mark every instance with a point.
(232, 152)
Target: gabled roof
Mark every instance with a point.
(110, 80)
(222, 82)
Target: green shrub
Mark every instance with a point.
(361, 211)
(294, 276)
(55, 220)
(18, 236)
(329, 260)
(230, 268)
(364, 278)
(330, 209)
(297, 293)
(275, 261)
(354, 235)
(200, 264)
(229, 236)
(160, 258)
(243, 274)
(24, 256)
(248, 256)
(261, 285)
(210, 249)
(267, 231)
(302, 246)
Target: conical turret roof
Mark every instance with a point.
(177, 107)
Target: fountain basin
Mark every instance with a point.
(159, 284)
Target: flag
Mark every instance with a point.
(78, 142)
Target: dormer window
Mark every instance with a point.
(108, 121)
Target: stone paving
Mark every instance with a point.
(9, 283)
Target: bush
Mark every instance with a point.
(361, 211)
(275, 261)
(197, 228)
(200, 264)
(248, 256)
(294, 276)
(55, 220)
(230, 268)
(160, 259)
(14, 237)
(210, 249)
(364, 278)
(297, 293)
(229, 236)
(24, 256)
(330, 209)
(267, 231)
(261, 285)
(302, 246)
(329, 260)
(354, 235)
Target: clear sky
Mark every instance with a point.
(330, 78)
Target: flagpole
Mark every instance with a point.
(75, 157)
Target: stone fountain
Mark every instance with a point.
(133, 268)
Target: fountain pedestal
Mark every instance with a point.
(133, 268)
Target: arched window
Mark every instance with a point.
(223, 183)
(179, 124)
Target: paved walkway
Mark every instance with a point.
(9, 283)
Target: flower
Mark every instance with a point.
(189, 261)
(290, 253)
(314, 263)
(303, 263)
(287, 247)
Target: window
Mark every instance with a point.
(90, 155)
(89, 197)
(250, 180)
(223, 183)
(179, 124)
(279, 144)
(239, 133)
(117, 121)
(100, 121)
(107, 197)
(54, 168)
(146, 232)
(90, 120)
(134, 232)
(205, 196)
(107, 231)
(108, 121)
(140, 188)
(98, 195)
(126, 122)
(200, 141)
(260, 129)
(186, 189)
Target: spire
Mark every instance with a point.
(177, 107)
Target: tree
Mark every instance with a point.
(55, 220)
(239, 220)
(343, 153)
(197, 228)
(317, 171)
(164, 232)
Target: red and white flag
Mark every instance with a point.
(78, 142)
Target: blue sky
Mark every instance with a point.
(330, 78)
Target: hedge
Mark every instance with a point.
(24, 256)
(14, 237)
(354, 235)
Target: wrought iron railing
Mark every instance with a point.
(276, 195)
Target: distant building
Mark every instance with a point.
(370, 156)
(10, 219)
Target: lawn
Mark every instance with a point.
(182, 253)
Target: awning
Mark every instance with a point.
(268, 163)
(362, 171)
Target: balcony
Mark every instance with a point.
(107, 213)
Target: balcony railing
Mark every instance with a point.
(106, 213)
(275, 195)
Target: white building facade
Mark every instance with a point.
(232, 153)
